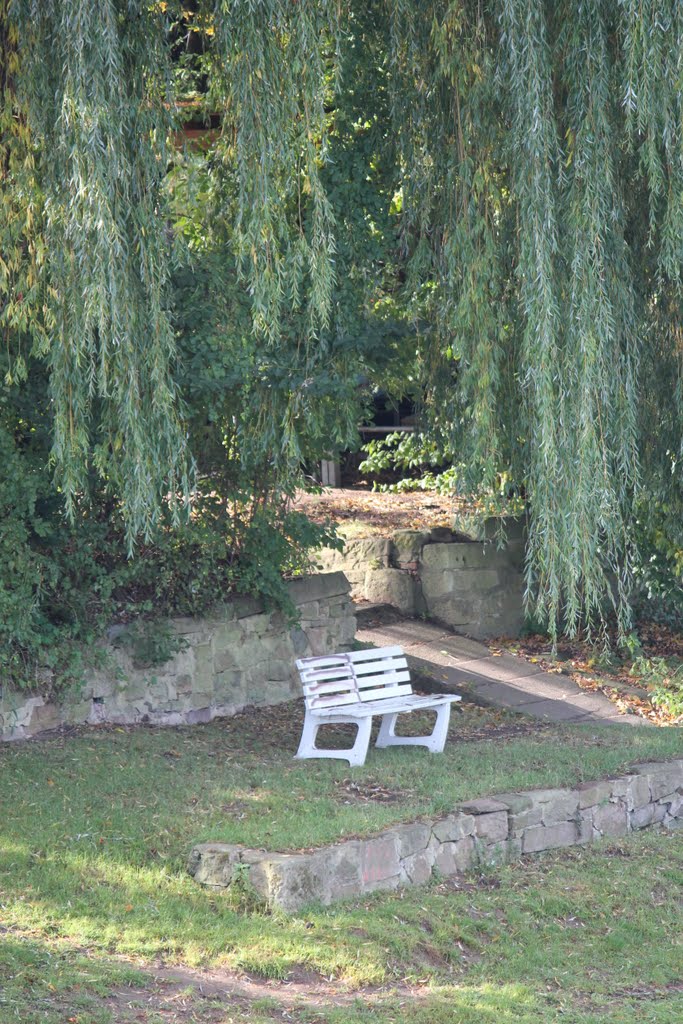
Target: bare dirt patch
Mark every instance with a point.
(186, 995)
(349, 791)
(369, 512)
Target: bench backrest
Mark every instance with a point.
(335, 680)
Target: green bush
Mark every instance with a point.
(418, 462)
(659, 565)
(664, 680)
(63, 583)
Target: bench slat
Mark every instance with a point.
(391, 706)
(383, 678)
(335, 686)
(332, 701)
(385, 693)
(367, 678)
(309, 675)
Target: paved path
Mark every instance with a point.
(504, 681)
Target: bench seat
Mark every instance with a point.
(385, 707)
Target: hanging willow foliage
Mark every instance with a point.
(549, 131)
(274, 66)
(92, 82)
(537, 155)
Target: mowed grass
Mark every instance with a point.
(586, 936)
(95, 830)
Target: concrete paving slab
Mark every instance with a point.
(504, 669)
(410, 633)
(555, 711)
(503, 681)
(503, 695)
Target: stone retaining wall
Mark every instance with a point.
(237, 657)
(479, 832)
(474, 587)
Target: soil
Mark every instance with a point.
(380, 512)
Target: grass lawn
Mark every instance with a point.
(99, 922)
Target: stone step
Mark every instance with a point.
(370, 613)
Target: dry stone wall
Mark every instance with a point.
(474, 587)
(480, 832)
(239, 656)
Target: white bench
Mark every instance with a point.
(355, 687)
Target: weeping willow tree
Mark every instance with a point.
(536, 166)
(547, 177)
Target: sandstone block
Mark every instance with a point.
(663, 778)
(478, 581)
(483, 805)
(360, 555)
(549, 837)
(342, 868)
(379, 859)
(660, 813)
(454, 827)
(225, 634)
(299, 641)
(390, 586)
(406, 545)
(637, 792)
(491, 828)
(641, 817)
(611, 819)
(457, 556)
(438, 589)
(514, 527)
(584, 825)
(418, 867)
(318, 587)
(591, 793)
(524, 810)
(500, 853)
(214, 863)
(288, 881)
(562, 805)
(411, 839)
(516, 802)
(675, 803)
(454, 858)
(664, 782)
(78, 712)
(45, 716)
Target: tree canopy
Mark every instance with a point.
(504, 175)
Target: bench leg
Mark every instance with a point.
(435, 742)
(355, 755)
